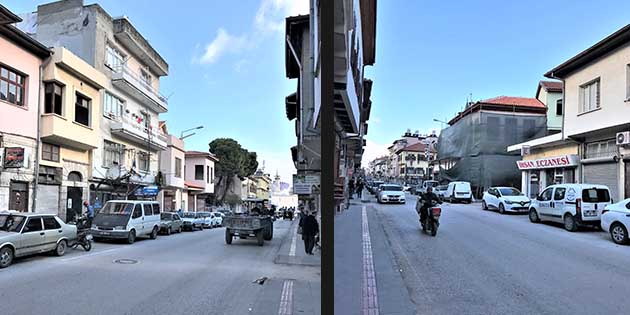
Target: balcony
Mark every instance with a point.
(127, 34)
(131, 130)
(131, 82)
(61, 131)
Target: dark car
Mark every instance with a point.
(170, 222)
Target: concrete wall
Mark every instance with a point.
(167, 162)
(564, 149)
(190, 172)
(553, 121)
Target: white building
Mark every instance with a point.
(199, 178)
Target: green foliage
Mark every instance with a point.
(234, 160)
(232, 200)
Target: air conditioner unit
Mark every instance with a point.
(623, 138)
(525, 150)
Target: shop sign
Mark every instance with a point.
(13, 157)
(305, 184)
(550, 162)
(148, 191)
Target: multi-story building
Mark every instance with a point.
(21, 61)
(126, 158)
(413, 162)
(69, 132)
(172, 196)
(594, 144)
(263, 185)
(550, 94)
(199, 178)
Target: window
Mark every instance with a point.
(82, 110)
(51, 224)
(112, 106)
(33, 224)
(145, 76)
(559, 107)
(595, 195)
(156, 209)
(546, 195)
(137, 212)
(559, 194)
(114, 58)
(148, 210)
(12, 86)
(178, 168)
(113, 154)
(589, 96)
(198, 172)
(600, 149)
(208, 174)
(143, 161)
(52, 98)
(50, 152)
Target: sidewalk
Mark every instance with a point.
(353, 270)
(292, 252)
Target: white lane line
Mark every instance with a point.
(286, 299)
(90, 255)
(370, 294)
(293, 241)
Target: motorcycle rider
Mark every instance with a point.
(425, 203)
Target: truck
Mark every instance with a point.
(255, 222)
(421, 189)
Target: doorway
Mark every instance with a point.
(18, 196)
(73, 207)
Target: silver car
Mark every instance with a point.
(24, 234)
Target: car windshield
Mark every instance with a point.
(432, 184)
(11, 223)
(391, 188)
(595, 195)
(441, 187)
(117, 208)
(509, 192)
(166, 216)
(188, 215)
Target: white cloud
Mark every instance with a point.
(373, 150)
(240, 66)
(271, 13)
(222, 43)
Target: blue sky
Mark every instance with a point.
(431, 54)
(234, 87)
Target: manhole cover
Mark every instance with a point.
(125, 261)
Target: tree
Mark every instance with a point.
(232, 200)
(234, 160)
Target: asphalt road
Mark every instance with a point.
(482, 262)
(187, 273)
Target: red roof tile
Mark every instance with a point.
(514, 101)
(206, 154)
(192, 185)
(554, 86)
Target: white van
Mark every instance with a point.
(571, 204)
(127, 219)
(458, 191)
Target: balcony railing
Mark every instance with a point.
(131, 128)
(123, 72)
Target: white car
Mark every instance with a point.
(505, 199)
(616, 219)
(391, 193)
(217, 219)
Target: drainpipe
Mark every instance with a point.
(297, 60)
(39, 120)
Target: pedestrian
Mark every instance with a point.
(89, 210)
(359, 188)
(310, 228)
(351, 187)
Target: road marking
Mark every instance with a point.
(90, 255)
(286, 299)
(293, 242)
(370, 294)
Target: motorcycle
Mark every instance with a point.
(84, 238)
(432, 221)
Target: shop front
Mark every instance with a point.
(539, 173)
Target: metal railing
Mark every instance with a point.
(141, 129)
(138, 80)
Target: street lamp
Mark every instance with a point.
(441, 122)
(182, 137)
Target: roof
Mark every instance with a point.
(548, 140)
(503, 103)
(8, 17)
(551, 86)
(368, 30)
(19, 37)
(294, 26)
(611, 42)
(201, 154)
(193, 185)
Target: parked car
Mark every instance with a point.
(170, 222)
(571, 204)
(391, 193)
(206, 220)
(192, 222)
(616, 220)
(24, 234)
(374, 188)
(505, 199)
(127, 219)
(217, 219)
(440, 190)
(458, 191)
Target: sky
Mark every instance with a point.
(431, 55)
(226, 69)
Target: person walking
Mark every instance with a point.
(310, 228)
(359, 188)
(89, 209)
(351, 187)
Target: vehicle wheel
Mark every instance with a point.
(60, 250)
(501, 208)
(569, 223)
(484, 206)
(533, 216)
(434, 228)
(6, 257)
(131, 237)
(619, 234)
(88, 247)
(154, 233)
(228, 237)
(179, 230)
(168, 232)
(268, 234)
(260, 238)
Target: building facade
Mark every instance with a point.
(172, 165)
(263, 185)
(550, 94)
(21, 61)
(199, 178)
